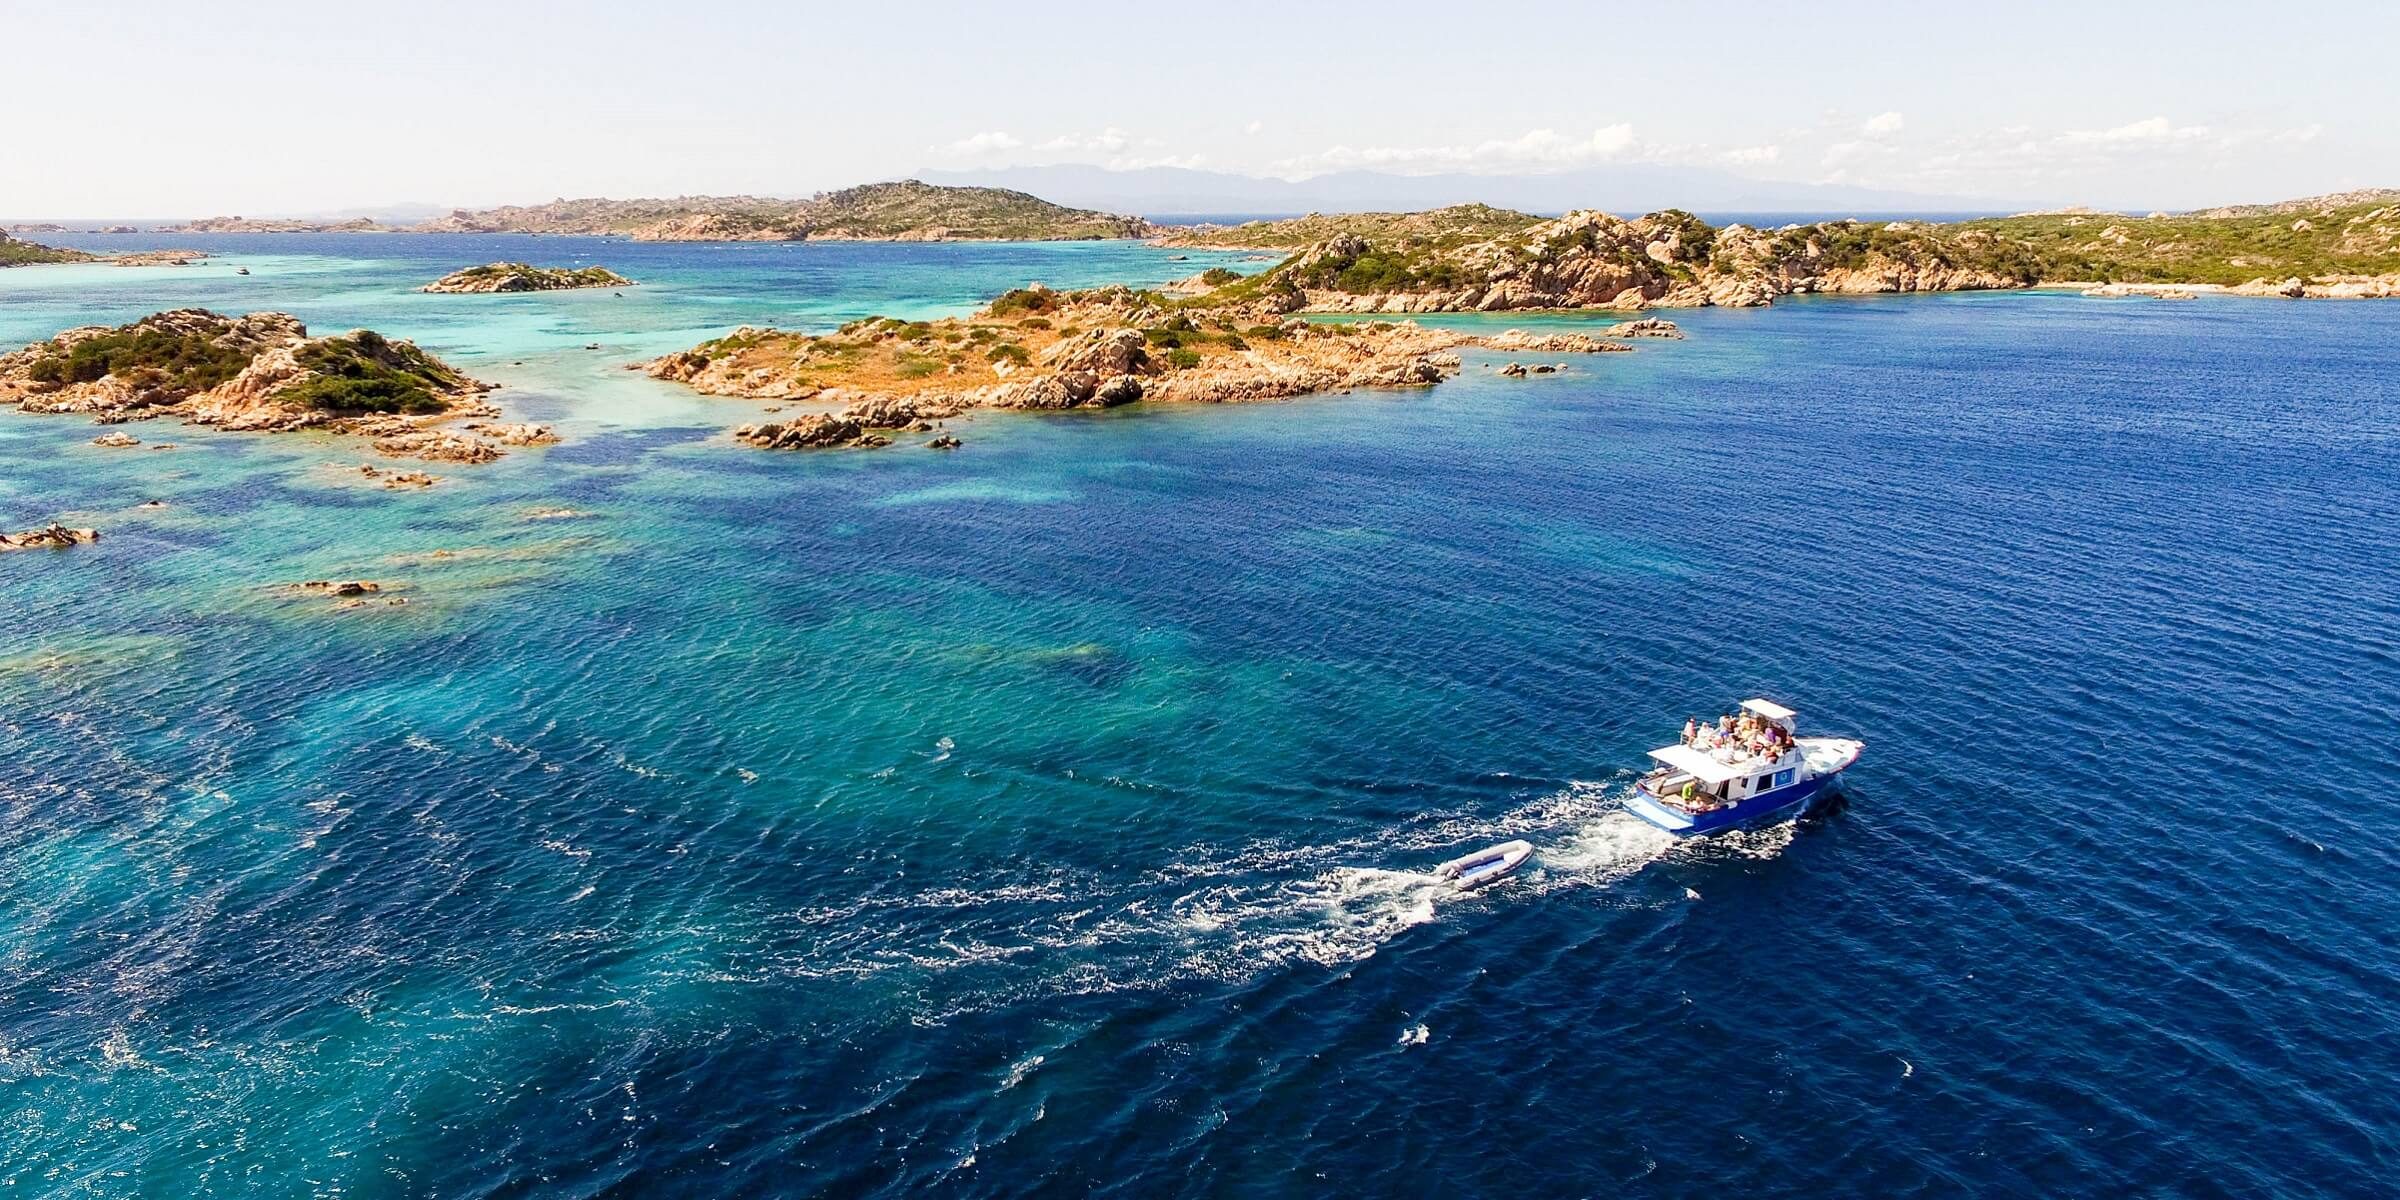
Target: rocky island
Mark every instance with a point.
(53, 536)
(906, 210)
(1477, 258)
(258, 372)
(1038, 349)
(524, 277)
(158, 258)
(273, 225)
(16, 252)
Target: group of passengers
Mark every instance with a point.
(1733, 736)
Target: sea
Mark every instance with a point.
(1053, 816)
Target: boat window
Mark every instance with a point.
(1782, 778)
(1760, 784)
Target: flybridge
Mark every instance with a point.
(1739, 769)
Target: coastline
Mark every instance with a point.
(1113, 616)
(1400, 355)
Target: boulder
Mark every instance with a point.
(1067, 389)
(812, 430)
(1116, 390)
(1100, 352)
(53, 536)
(1555, 343)
(897, 412)
(1657, 327)
(1741, 293)
(437, 445)
(521, 433)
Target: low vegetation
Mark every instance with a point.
(1440, 228)
(263, 365)
(1023, 329)
(1458, 249)
(525, 277)
(365, 372)
(162, 362)
(15, 253)
(904, 209)
(2268, 241)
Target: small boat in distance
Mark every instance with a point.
(1486, 866)
(1740, 770)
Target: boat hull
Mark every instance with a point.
(1827, 758)
(1485, 867)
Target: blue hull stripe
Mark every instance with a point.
(1764, 806)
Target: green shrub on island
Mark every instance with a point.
(1024, 300)
(1217, 277)
(258, 372)
(14, 253)
(525, 277)
(2275, 242)
(152, 360)
(2321, 238)
(365, 372)
(1373, 269)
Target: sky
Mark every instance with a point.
(157, 109)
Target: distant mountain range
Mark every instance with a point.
(1167, 193)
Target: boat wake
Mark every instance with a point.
(1222, 913)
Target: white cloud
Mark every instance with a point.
(984, 143)
(1752, 156)
(1858, 150)
(2154, 129)
(2077, 164)
(1108, 141)
(1254, 127)
(1189, 162)
(1883, 124)
(1537, 149)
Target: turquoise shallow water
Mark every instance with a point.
(1047, 817)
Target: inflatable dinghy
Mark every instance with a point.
(1485, 866)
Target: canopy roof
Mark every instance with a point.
(1699, 765)
(1769, 709)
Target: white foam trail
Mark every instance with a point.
(1226, 912)
(1606, 849)
(1020, 1071)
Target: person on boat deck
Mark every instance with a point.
(1691, 729)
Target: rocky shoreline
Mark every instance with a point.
(2330, 287)
(16, 252)
(260, 373)
(1038, 349)
(53, 536)
(1474, 258)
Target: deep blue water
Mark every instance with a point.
(1047, 818)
